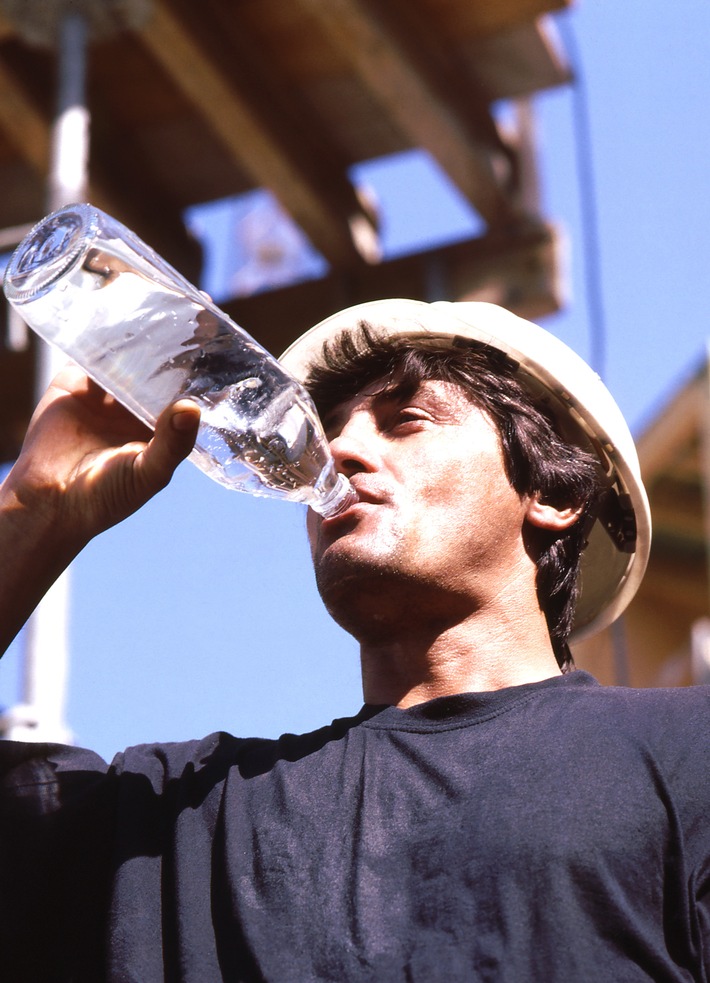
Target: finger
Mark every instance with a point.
(174, 438)
(176, 430)
(71, 377)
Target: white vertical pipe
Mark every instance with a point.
(70, 132)
(41, 717)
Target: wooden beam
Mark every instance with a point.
(673, 430)
(520, 274)
(396, 59)
(136, 196)
(325, 206)
(675, 587)
(673, 521)
(485, 19)
(17, 372)
(29, 131)
(23, 125)
(133, 199)
(7, 29)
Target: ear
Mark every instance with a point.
(550, 518)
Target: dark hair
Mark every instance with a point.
(538, 461)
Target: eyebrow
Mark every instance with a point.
(390, 391)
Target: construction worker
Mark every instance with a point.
(490, 813)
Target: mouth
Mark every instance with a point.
(340, 518)
(366, 498)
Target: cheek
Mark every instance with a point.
(463, 491)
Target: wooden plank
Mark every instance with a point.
(397, 60)
(7, 29)
(29, 131)
(464, 18)
(675, 428)
(335, 222)
(675, 585)
(131, 197)
(16, 398)
(22, 124)
(521, 274)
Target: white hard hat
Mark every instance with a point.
(615, 558)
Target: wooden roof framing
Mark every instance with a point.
(191, 102)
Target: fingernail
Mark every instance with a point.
(183, 420)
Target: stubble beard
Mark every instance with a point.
(364, 588)
(376, 592)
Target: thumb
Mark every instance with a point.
(174, 437)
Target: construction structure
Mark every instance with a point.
(187, 103)
(147, 107)
(664, 637)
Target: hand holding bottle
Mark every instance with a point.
(87, 463)
(89, 286)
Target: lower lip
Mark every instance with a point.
(349, 513)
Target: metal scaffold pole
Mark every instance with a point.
(40, 716)
(68, 27)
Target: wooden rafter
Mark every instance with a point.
(326, 208)
(216, 98)
(672, 432)
(138, 200)
(471, 270)
(393, 56)
(22, 124)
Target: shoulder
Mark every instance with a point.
(28, 766)
(667, 729)
(37, 774)
(212, 758)
(585, 686)
(677, 708)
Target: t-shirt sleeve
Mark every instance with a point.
(55, 819)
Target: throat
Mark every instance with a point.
(423, 663)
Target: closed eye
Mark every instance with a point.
(408, 419)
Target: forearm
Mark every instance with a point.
(86, 464)
(34, 553)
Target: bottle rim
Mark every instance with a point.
(49, 251)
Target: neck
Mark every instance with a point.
(475, 654)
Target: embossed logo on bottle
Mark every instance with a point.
(49, 246)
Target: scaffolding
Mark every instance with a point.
(40, 714)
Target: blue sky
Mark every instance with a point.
(200, 613)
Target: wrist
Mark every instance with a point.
(36, 550)
(31, 518)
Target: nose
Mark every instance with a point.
(355, 448)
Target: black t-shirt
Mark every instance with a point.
(556, 831)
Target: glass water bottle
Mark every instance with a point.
(90, 286)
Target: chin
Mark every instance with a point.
(355, 557)
(356, 582)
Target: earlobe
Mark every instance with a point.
(548, 517)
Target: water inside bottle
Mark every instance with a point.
(148, 345)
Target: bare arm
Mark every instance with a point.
(86, 464)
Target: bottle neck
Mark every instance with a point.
(337, 500)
